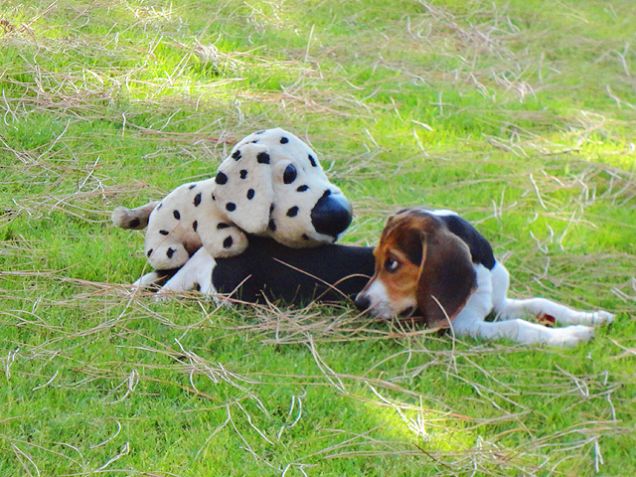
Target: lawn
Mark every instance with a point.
(520, 114)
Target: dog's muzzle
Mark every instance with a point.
(362, 302)
(332, 214)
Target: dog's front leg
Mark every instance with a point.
(146, 281)
(196, 274)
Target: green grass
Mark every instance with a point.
(519, 114)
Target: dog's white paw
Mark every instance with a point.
(162, 297)
(570, 335)
(136, 289)
(602, 318)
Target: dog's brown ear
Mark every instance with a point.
(447, 277)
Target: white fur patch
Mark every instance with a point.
(379, 300)
(195, 274)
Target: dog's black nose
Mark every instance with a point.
(362, 301)
(332, 214)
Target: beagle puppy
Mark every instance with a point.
(432, 266)
(436, 266)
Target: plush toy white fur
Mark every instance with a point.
(269, 186)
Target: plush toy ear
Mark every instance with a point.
(244, 190)
(447, 277)
(217, 234)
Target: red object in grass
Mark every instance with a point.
(546, 320)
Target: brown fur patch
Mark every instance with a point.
(401, 285)
(402, 241)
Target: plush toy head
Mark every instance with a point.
(272, 184)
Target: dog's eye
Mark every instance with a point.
(391, 265)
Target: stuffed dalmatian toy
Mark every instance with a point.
(271, 185)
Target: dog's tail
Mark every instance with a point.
(133, 218)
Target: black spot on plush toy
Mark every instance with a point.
(270, 185)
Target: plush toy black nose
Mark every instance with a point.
(362, 301)
(331, 215)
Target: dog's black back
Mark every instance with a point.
(269, 270)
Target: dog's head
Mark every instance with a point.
(421, 269)
(272, 184)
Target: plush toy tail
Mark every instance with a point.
(133, 218)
